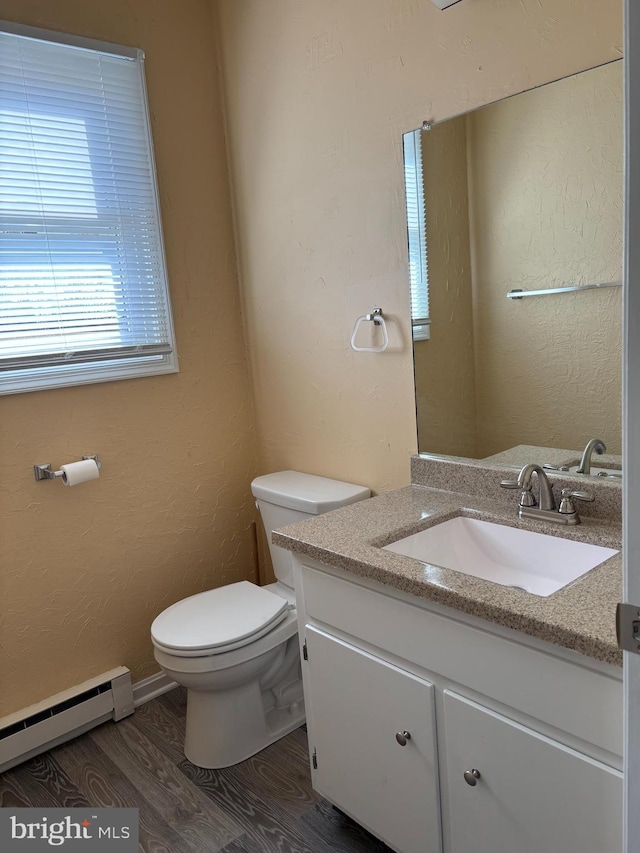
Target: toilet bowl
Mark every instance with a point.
(235, 648)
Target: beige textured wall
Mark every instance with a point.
(318, 95)
(84, 570)
(445, 364)
(546, 170)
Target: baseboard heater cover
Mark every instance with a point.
(65, 716)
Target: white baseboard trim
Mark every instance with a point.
(152, 687)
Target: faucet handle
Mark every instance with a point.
(526, 495)
(509, 484)
(567, 496)
(579, 496)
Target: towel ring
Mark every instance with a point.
(378, 320)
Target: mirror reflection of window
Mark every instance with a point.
(418, 269)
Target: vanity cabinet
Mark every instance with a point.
(534, 794)
(404, 701)
(360, 704)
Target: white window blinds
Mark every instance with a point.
(83, 289)
(418, 271)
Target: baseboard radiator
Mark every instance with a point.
(65, 716)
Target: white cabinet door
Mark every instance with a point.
(534, 795)
(356, 704)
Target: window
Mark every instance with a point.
(83, 286)
(418, 271)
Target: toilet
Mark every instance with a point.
(235, 648)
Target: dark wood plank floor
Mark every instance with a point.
(264, 805)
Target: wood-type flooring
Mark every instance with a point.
(263, 805)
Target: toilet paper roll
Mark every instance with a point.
(79, 472)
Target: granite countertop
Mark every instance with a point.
(580, 616)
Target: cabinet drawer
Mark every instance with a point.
(533, 795)
(566, 695)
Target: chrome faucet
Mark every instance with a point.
(596, 445)
(546, 510)
(547, 501)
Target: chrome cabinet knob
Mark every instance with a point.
(403, 737)
(471, 777)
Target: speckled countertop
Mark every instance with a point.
(580, 616)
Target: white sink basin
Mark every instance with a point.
(533, 562)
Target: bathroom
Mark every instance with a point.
(277, 134)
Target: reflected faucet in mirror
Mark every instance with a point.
(609, 467)
(523, 193)
(595, 445)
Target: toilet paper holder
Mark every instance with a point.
(45, 472)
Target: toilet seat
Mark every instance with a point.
(218, 621)
(169, 659)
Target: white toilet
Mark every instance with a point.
(235, 648)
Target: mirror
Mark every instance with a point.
(523, 194)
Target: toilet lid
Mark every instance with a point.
(218, 617)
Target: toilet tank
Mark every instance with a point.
(290, 496)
